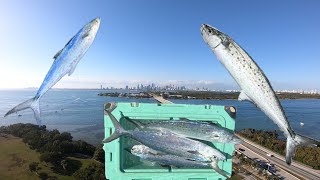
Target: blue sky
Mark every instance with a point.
(159, 41)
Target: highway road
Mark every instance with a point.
(263, 161)
(300, 171)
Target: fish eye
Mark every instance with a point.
(209, 31)
(214, 157)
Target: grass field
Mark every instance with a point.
(15, 157)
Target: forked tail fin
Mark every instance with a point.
(119, 131)
(299, 140)
(32, 103)
(215, 167)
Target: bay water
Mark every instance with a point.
(80, 112)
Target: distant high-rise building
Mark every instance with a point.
(101, 86)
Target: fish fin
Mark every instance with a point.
(184, 119)
(194, 152)
(215, 167)
(72, 69)
(32, 103)
(69, 41)
(226, 41)
(189, 159)
(57, 54)
(85, 35)
(306, 141)
(291, 147)
(243, 97)
(119, 131)
(148, 162)
(35, 106)
(138, 124)
(153, 153)
(164, 165)
(298, 140)
(188, 120)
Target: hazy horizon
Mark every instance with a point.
(191, 84)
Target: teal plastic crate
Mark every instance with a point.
(121, 165)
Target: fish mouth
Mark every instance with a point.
(95, 21)
(217, 156)
(210, 30)
(221, 157)
(202, 28)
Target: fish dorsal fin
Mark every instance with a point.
(138, 124)
(59, 52)
(69, 42)
(243, 97)
(72, 69)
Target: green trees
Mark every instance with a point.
(51, 157)
(42, 140)
(270, 139)
(33, 167)
(92, 172)
(56, 148)
(99, 154)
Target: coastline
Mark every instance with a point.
(204, 95)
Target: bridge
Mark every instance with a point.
(160, 99)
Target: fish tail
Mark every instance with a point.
(119, 131)
(32, 103)
(215, 167)
(298, 140)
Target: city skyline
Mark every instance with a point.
(159, 42)
(173, 87)
(155, 87)
(187, 85)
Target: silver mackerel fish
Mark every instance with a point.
(161, 158)
(254, 84)
(193, 129)
(65, 62)
(168, 142)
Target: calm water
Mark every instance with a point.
(80, 112)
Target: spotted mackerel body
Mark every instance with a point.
(255, 87)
